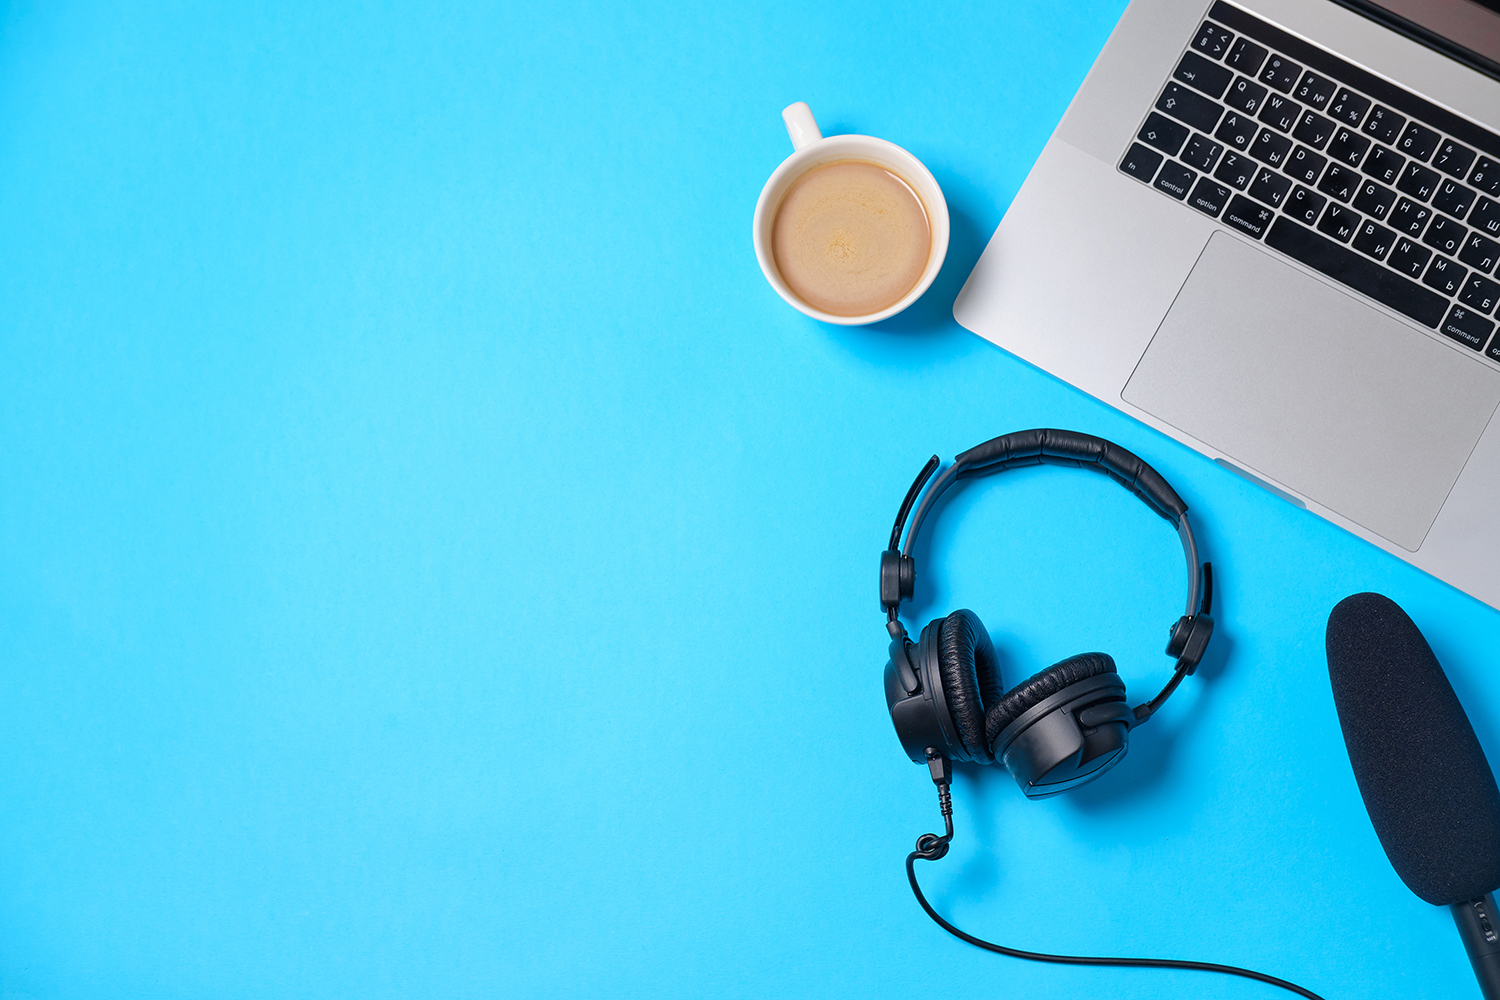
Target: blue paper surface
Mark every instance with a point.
(434, 563)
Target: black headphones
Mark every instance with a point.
(1059, 728)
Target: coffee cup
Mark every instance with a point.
(849, 268)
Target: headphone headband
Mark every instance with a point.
(1049, 446)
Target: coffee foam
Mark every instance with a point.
(851, 238)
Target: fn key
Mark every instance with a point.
(1140, 162)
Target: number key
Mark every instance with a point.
(1348, 107)
(1418, 141)
(1384, 124)
(1280, 73)
(1314, 90)
(1453, 159)
(1486, 176)
(1246, 56)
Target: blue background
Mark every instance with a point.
(434, 563)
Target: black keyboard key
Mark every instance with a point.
(1202, 152)
(1358, 272)
(1271, 147)
(1140, 162)
(1445, 235)
(1246, 56)
(1384, 124)
(1270, 187)
(1338, 222)
(1373, 199)
(1248, 217)
(1467, 327)
(1453, 159)
(1245, 95)
(1418, 181)
(1305, 205)
(1486, 217)
(1305, 165)
(1340, 182)
(1480, 294)
(1409, 218)
(1444, 275)
(1453, 198)
(1279, 112)
(1314, 90)
(1175, 180)
(1209, 197)
(1480, 253)
(1374, 239)
(1348, 147)
(1163, 133)
(1235, 170)
(1237, 130)
(1280, 73)
(1187, 106)
(1408, 257)
(1313, 129)
(1213, 41)
(1198, 72)
(1418, 141)
(1348, 107)
(1384, 165)
(1486, 176)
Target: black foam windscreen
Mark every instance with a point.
(1425, 781)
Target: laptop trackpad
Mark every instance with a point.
(1301, 382)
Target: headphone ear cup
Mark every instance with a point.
(1040, 686)
(970, 675)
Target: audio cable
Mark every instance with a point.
(931, 847)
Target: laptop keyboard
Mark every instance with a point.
(1345, 172)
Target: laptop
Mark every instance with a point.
(1270, 230)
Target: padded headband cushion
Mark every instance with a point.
(971, 678)
(1040, 686)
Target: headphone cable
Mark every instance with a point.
(931, 847)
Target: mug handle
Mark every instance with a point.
(800, 125)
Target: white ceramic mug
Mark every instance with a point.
(813, 150)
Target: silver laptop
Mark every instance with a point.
(1270, 229)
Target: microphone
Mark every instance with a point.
(1428, 789)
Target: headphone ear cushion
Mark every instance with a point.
(971, 678)
(1040, 686)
